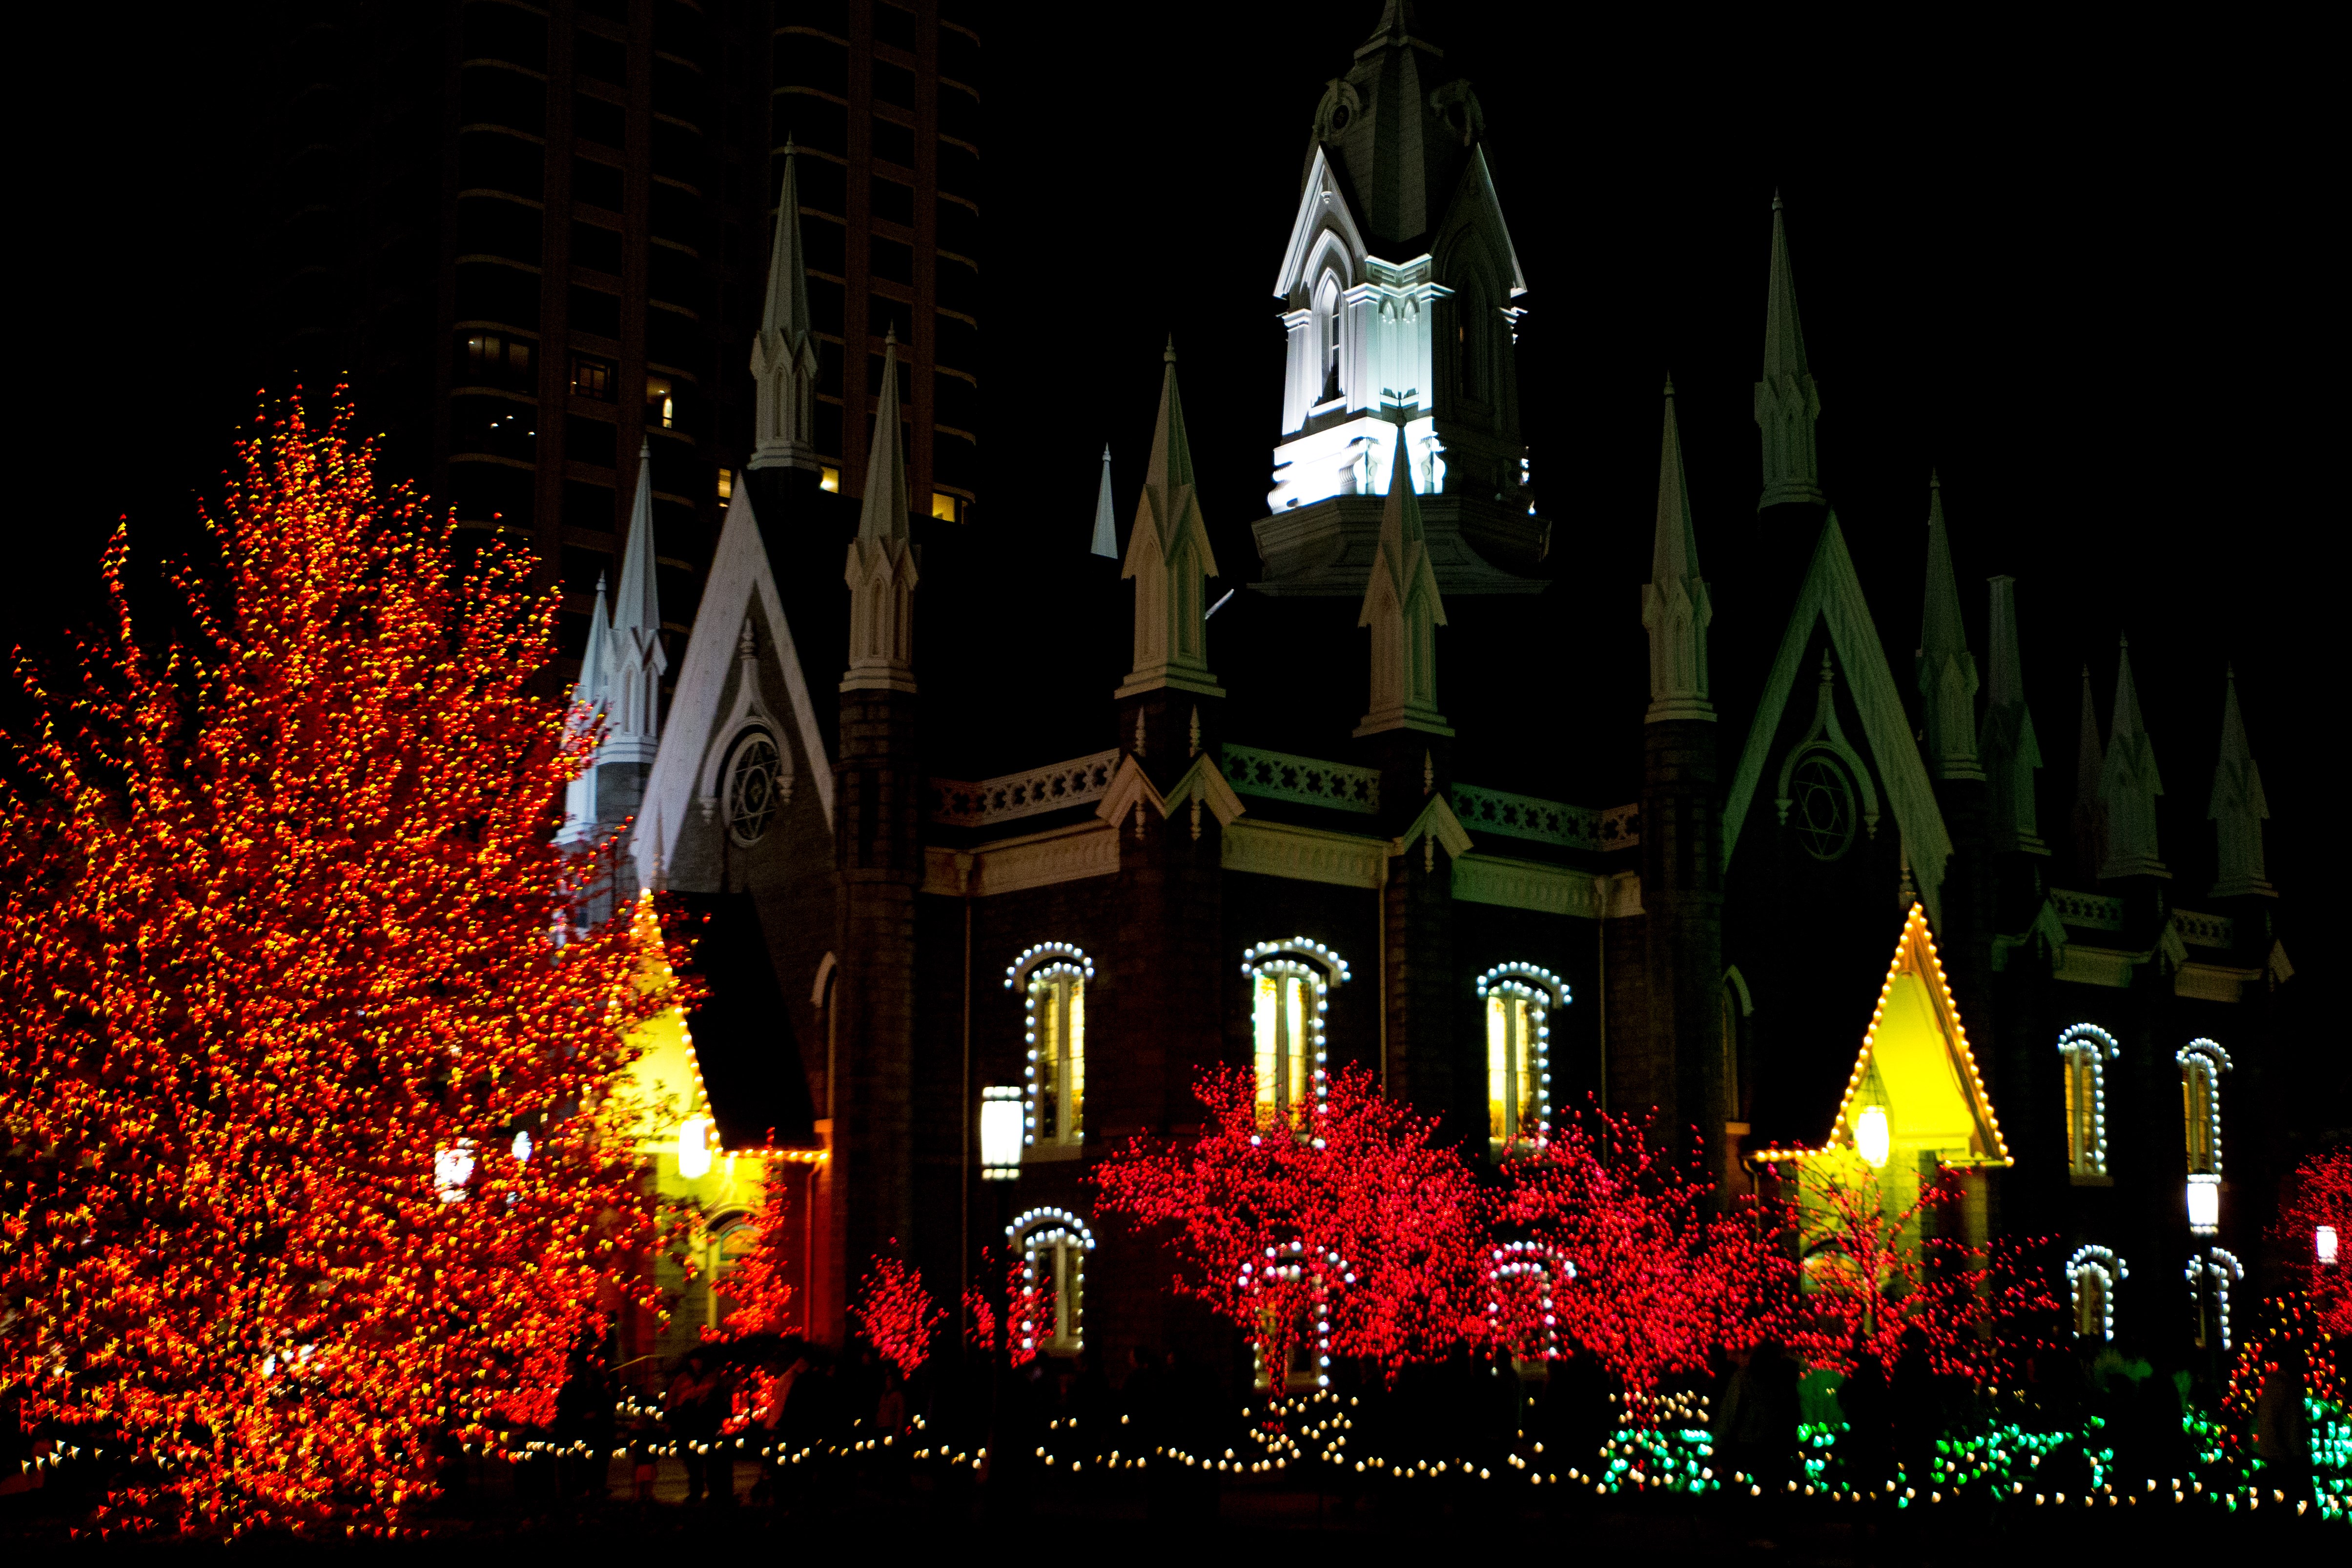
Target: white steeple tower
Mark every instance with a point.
(1106, 542)
(1404, 611)
(881, 570)
(1674, 603)
(1168, 554)
(1786, 402)
(1946, 672)
(588, 710)
(784, 354)
(2128, 786)
(633, 701)
(2239, 809)
(2010, 752)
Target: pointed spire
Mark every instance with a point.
(1402, 608)
(2011, 754)
(1786, 401)
(2238, 808)
(2090, 811)
(637, 659)
(2128, 786)
(783, 352)
(588, 702)
(881, 570)
(1947, 671)
(1674, 603)
(1169, 555)
(1106, 541)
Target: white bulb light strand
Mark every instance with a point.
(1041, 965)
(1535, 1261)
(2094, 1048)
(2098, 1264)
(1542, 991)
(1320, 967)
(2211, 1276)
(2205, 1060)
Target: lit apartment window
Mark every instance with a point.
(829, 479)
(2086, 1049)
(591, 377)
(661, 403)
(726, 484)
(1290, 985)
(1519, 1000)
(943, 506)
(1052, 976)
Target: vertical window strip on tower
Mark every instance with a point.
(2086, 1050)
(1290, 986)
(2091, 1275)
(1051, 1245)
(1052, 976)
(1520, 998)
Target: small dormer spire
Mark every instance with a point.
(2239, 809)
(1169, 555)
(1674, 603)
(784, 352)
(637, 658)
(881, 570)
(2090, 811)
(588, 701)
(1786, 401)
(2010, 752)
(1106, 541)
(1402, 608)
(2128, 786)
(1947, 671)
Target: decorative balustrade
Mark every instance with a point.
(1278, 776)
(2090, 911)
(956, 803)
(2205, 930)
(1513, 816)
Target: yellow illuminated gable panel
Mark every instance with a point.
(1915, 1064)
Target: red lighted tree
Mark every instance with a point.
(756, 1294)
(1642, 1273)
(1876, 1274)
(896, 1314)
(308, 1159)
(1347, 1235)
(2315, 1229)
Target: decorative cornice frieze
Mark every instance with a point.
(1305, 855)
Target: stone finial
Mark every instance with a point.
(881, 570)
(1106, 541)
(2090, 811)
(2010, 753)
(1947, 671)
(638, 657)
(1675, 608)
(2128, 786)
(783, 352)
(2239, 809)
(1787, 402)
(1402, 608)
(1169, 556)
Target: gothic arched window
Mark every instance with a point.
(1519, 999)
(1054, 976)
(1290, 984)
(2092, 1274)
(1328, 316)
(2202, 1062)
(2209, 1278)
(1049, 1247)
(2086, 1049)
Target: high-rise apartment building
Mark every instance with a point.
(535, 239)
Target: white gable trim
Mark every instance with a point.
(1833, 594)
(1321, 200)
(740, 584)
(1478, 185)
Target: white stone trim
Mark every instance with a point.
(1305, 855)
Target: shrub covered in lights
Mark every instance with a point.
(275, 954)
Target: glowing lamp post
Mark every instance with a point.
(1871, 1140)
(694, 1147)
(2204, 1204)
(2323, 1246)
(1002, 1130)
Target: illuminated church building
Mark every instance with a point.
(1323, 835)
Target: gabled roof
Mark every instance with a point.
(1832, 595)
(1476, 190)
(740, 584)
(1916, 1062)
(1322, 192)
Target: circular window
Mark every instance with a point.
(1340, 117)
(754, 780)
(1822, 806)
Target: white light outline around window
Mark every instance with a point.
(2111, 1272)
(2208, 1057)
(1323, 968)
(1041, 961)
(1029, 1234)
(2085, 1039)
(2220, 1268)
(1289, 1262)
(1516, 1260)
(1547, 991)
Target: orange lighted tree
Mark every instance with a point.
(310, 1163)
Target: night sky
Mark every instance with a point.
(2080, 275)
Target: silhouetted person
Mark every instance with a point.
(695, 1410)
(1869, 1439)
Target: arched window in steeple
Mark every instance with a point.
(1329, 314)
(2086, 1050)
(1472, 328)
(1290, 984)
